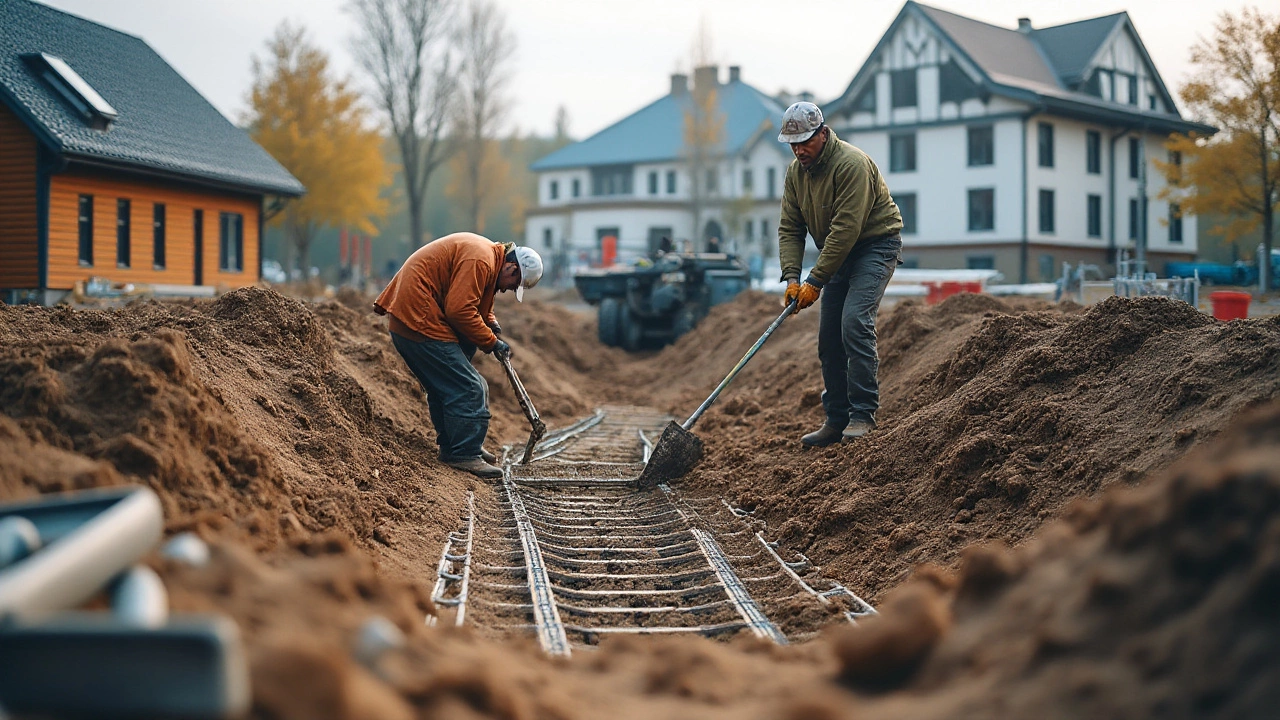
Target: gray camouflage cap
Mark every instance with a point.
(800, 122)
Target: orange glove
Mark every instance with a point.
(793, 290)
(807, 296)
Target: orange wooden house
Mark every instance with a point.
(113, 166)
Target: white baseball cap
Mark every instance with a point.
(530, 269)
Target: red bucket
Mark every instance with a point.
(1230, 305)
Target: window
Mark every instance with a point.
(122, 233)
(1133, 218)
(955, 85)
(771, 179)
(902, 152)
(1175, 224)
(903, 88)
(1045, 135)
(747, 181)
(713, 181)
(1046, 211)
(577, 187)
(653, 182)
(546, 238)
(1094, 203)
(85, 223)
(980, 262)
(910, 263)
(982, 209)
(751, 229)
(656, 236)
(1133, 89)
(611, 180)
(671, 182)
(157, 236)
(764, 229)
(1151, 102)
(907, 208)
(197, 238)
(866, 100)
(1046, 267)
(1093, 152)
(982, 145)
(231, 242)
(554, 190)
(1175, 159)
(1135, 158)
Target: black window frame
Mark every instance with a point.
(227, 222)
(904, 88)
(548, 240)
(577, 187)
(908, 207)
(671, 182)
(1134, 225)
(1133, 89)
(1093, 215)
(978, 194)
(124, 232)
(748, 181)
(1135, 158)
(553, 189)
(1046, 202)
(84, 230)
(1044, 144)
(653, 182)
(982, 145)
(902, 152)
(158, 236)
(771, 179)
(1093, 152)
(980, 262)
(1175, 224)
(612, 180)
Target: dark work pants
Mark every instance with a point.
(847, 330)
(457, 396)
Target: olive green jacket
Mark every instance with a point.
(839, 201)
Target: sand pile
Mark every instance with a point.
(994, 417)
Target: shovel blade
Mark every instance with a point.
(677, 451)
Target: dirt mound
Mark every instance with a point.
(992, 423)
(1156, 601)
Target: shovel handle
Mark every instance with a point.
(688, 424)
(523, 397)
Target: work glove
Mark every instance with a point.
(807, 295)
(793, 290)
(495, 327)
(501, 349)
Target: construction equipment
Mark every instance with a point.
(655, 304)
(539, 427)
(678, 449)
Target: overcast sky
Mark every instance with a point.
(603, 59)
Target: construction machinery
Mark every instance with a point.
(650, 305)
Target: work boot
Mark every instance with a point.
(476, 467)
(826, 435)
(857, 429)
(487, 456)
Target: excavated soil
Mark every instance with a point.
(1127, 453)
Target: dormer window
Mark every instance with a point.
(74, 89)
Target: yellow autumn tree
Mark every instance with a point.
(315, 126)
(1236, 87)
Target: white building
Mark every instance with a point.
(1018, 149)
(631, 181)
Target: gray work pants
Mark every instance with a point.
(457, 395)
(847, 330)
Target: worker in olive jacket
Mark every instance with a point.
(835, 194)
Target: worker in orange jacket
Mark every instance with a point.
(440, 309)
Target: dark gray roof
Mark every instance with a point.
(1041, 67)
(1070, 47)
(655, 133)
(164, 124)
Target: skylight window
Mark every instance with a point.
(75, 89)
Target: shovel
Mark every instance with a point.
(539, 427)
(679, 449)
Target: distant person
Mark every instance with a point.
(440, 309)
(713, 245)
(665, 246)
(835, 193)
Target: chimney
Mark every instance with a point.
(735, 73)
(1024, 25)
(707, 76)
(679, 84)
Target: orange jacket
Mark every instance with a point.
(445, 290)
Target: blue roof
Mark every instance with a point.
(163, 124)
(655, 133)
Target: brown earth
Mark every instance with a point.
(292, 438)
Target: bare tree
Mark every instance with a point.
(703, 131)
(486, 47)
(403, 45)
